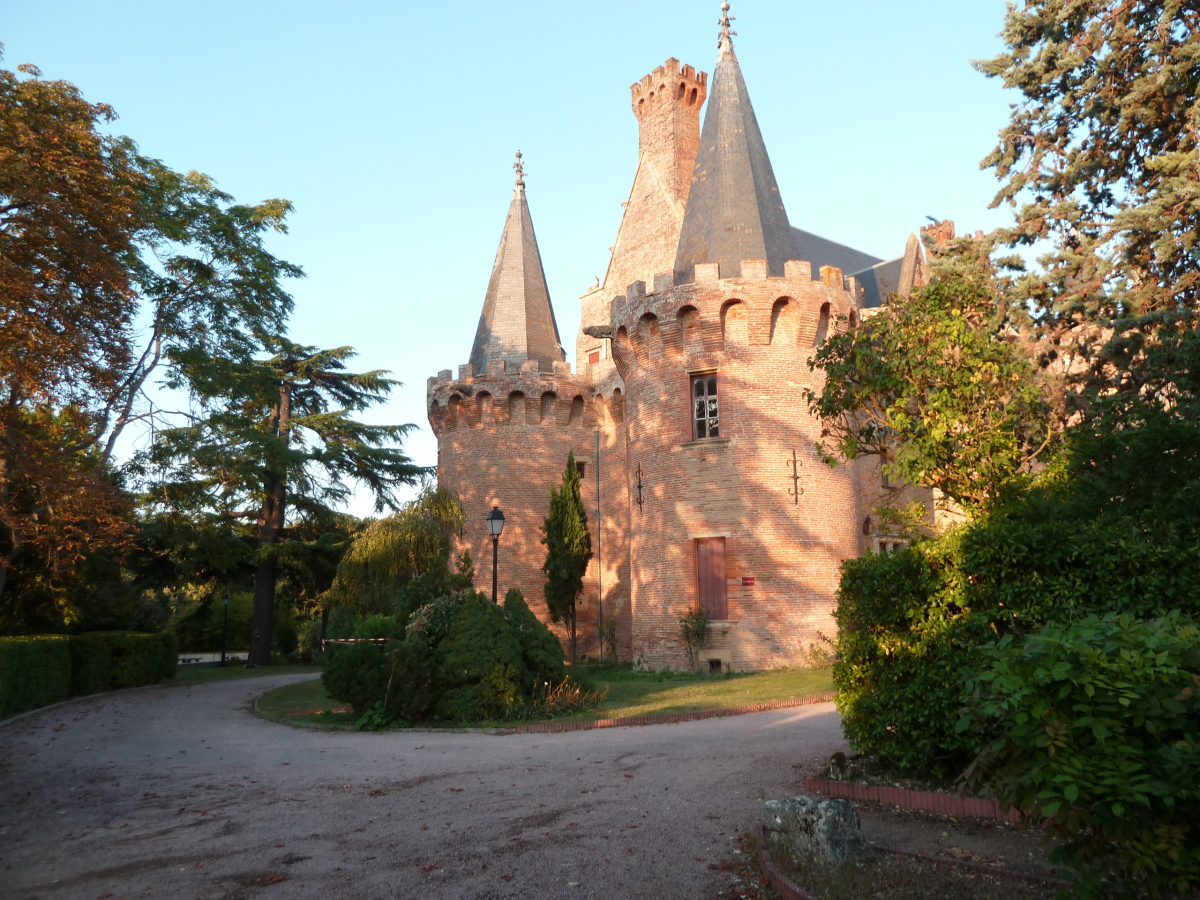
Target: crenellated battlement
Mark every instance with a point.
(518, 398)
(669, 83)
(712, 316)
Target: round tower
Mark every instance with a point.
(738, 515)
(505, 427)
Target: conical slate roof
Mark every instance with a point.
(734, 210)
(517, 322)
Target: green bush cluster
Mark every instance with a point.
(1095, 726)
(37, 671)
(462, 660)
(914, 623)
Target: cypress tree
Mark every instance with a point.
(568, 549)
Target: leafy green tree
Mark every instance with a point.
(568, 549)
(274, 438)
(939, 387)
(67, 227)
(112, 268)
(1101, 161)
(394, 550)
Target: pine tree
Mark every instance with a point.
(278, 441)
(1101, 161)
(568, 550)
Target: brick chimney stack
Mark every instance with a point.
(667, 105)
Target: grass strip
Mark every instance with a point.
(630, 694)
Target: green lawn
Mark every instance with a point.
(193, 675)
(629, 694)
(638, 694)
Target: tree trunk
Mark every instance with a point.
(14, 539)
(270, 534)
(574, 619)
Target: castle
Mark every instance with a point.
(686, 411)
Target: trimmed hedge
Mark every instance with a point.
(40, 670)
(34, 671)
(139, 658)
(91, 665)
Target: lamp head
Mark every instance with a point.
(495, 522)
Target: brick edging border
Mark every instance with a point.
(925, 801)
(788, 890)
(779, 882)
(669, 718)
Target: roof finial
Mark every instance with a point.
(725, 37)
(520, 171)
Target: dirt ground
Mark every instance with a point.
(179, 792)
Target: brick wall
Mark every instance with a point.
(782, 553)
(503, 439)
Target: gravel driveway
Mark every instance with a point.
(179, 791)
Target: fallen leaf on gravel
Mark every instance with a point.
(627, 775)
(574, 883)
(585, 792)
(275, 878)
(456, 790)
(508, 877)
(430, 867)
(377, 793)
(631, 826)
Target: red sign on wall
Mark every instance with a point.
(747, 581)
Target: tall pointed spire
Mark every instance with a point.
(734, 210)
(517, 322)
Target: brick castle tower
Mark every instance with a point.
(689, 396)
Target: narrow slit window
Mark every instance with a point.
(705, 413)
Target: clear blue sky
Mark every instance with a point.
(392, 129)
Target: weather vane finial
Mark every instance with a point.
(725, 37)
(520, 170)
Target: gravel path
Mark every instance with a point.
(180, 792)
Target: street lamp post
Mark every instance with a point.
(225, 630)
(495, 523)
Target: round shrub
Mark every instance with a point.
(412, 690)
(480, 667)
(356, 674)
(540, 649)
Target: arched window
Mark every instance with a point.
(617, 406)
(783, 322)
(733, 324)
(822, 326)
(483, 401)
(689, 325)
(576, 411)
(549, 402)
(516, 408)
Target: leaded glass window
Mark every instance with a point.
(705, 419)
